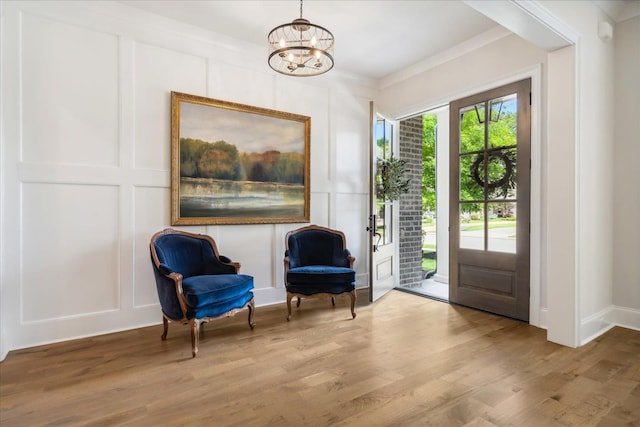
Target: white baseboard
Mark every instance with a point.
(441, 278)
(599, 323)
(625, 317)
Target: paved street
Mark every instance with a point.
(500, 239)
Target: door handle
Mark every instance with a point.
(372, 229)
(372, 224)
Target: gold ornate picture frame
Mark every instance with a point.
(237, 164)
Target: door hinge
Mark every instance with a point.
(529, 98)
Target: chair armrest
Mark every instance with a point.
(286, 266)
(287, 262)
(164, 269)
(167, 277)
(227, 261)
(349, 257)
(176, 277)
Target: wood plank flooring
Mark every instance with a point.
(404, 361)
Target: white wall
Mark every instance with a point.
(85, 162)
(626, 231)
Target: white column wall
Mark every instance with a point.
(596, 108)
(560, 197)
(442, 192)
(86, 153)
(626, 208)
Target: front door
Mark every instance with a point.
(489, 200)
(383, 213)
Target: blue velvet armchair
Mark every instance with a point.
(195, 283)
(318, 264)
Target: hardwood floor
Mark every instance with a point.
(403, 361)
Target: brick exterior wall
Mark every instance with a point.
(410, 242)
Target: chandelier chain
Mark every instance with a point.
(300, 9)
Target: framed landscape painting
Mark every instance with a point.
(237, 164)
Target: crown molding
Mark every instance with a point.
(483, 39)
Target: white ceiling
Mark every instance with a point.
(373, 38)
(620, 10)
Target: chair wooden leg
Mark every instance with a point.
(195, 336)
(289, 296)
(352, 294)
(252, 308)
(165, 322)
(298, 303)
(333, 301)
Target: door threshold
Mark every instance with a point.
(421, 293)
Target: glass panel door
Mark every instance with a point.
(489, 200)
(384, 208)
(383, 213)
(488, 175)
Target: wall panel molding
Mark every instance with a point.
(107, 196)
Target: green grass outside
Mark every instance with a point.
(428, 264)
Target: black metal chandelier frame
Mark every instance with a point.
(300, 48)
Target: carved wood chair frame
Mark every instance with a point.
(195, 323)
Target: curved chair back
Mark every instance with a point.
(188, 255)
(315, 245)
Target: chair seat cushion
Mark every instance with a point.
(219, 308)
(200, 291)
(320, 275)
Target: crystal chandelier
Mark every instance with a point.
(300, 48)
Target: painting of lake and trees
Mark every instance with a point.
(237, 164)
